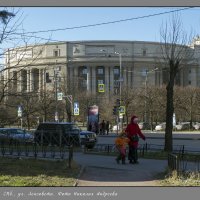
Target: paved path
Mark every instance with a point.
(104, 171)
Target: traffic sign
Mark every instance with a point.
(76, 108)
(76, 111)
(101, 88)
(122, 110)
(56, 116)
(60, 96)
(121, 116)
(19, 111)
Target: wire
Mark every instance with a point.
(106, 23)
(92, 25)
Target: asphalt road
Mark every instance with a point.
(191, 141)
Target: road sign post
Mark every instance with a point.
(76, 108)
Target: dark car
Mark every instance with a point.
(88, 138)
(15, 134)
(54, 133)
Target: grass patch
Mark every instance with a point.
(169, 178)
(31, 172)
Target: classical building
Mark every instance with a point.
(86, 64)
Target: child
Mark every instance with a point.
(120, 143)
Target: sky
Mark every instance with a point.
(143, 29)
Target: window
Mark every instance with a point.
(144, 52)
(84, 71)
(56, 52)
(116, 71)
(189, 82)
(100, 81)
(116, 83)
(100, 70)
(84, 83)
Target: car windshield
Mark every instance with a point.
(71, 127)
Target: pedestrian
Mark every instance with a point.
(90, 127)
(103, 127)
(133, 132)
(120, 142)
(107, 127)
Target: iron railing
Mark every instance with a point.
(34, 150)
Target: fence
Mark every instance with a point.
(33, 150)
(183, 163)
(142, 148)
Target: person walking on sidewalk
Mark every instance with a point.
(103, 127)
(133, 132)
(107, 127)
(121, 141)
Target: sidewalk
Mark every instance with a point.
(101, 170)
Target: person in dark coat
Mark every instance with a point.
(103, 127)
(133, 133)
(107, 127)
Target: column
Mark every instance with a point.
(88, 79)
(111, 80)
(193, 78)
(20, 80)
(107, 80)
(43, 79)
(125, 69)
(28, 80)
(40, 80)
(94, 80)
(31, 81)
(76, 78)
(130, 74)
(70, 76)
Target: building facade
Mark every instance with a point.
(86, 64)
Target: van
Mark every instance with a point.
(59, 134)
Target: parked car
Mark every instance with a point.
(196, 126)
(116, 127)
(160, 127)
(144, 125)
(54, 133)
(15, 134)
(88, 138)
(183, 126)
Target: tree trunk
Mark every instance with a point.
(170, 108)
(69, 111)
(169, 120)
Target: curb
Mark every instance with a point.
(79, 175)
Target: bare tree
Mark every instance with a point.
(175, 54)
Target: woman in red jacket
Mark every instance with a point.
(133, 131)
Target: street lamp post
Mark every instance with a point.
(120, 84)
(56, 92)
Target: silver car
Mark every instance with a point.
(15, 134)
